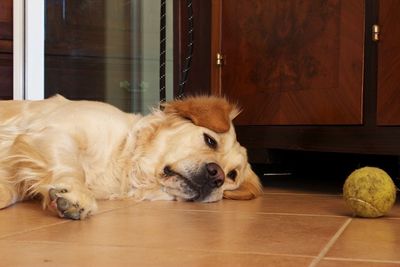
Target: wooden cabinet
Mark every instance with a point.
(389, 63)
(294, 62)
(6, 58)
(6, 28)
(307, 74)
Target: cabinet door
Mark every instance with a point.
(6, 23)
(389, 63)
(293, 62)
(6, 76)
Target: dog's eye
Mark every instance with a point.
(210, 142)
(232, 175)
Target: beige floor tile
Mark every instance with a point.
(280, 203)
(29, 215)
(160, 228)
(292, 203)
(369, 239)
(344, 263)
(281, 228)
(107, 205)
(64, 254)
(25, 217)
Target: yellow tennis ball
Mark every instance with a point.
(369, 192)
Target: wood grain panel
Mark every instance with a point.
(6, 21)
(388, 108)
(294, 62)
(6, 46)
(6, 57)
(6, 76)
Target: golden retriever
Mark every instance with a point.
(70, 153)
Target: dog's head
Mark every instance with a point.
(201, 158)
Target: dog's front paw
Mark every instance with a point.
(71, 204)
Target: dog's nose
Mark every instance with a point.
(215, 175)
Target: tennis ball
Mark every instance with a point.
(369, 192)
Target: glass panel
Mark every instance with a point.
(107, 50)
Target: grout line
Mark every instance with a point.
(242, 212)
(250, 212)
(302, 194)
(329, 245)
(302, 214)
(115, 209)
(34, 229)
(361, 260)
(63, 221)
(220, 251)
(390, 218)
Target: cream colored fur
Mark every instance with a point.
(70, 153)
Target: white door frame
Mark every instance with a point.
(28, 49)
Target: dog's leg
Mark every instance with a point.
(47, 164)
(8, 194)
(8, 190)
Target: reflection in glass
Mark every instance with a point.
(106, 50)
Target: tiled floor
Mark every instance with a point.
(289, 226)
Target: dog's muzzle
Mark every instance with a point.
(200, 184)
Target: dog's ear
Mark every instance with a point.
(214, 113)
(249, 189)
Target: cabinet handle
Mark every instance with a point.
(376, 32)
(220, 59)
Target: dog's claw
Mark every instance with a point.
(53, 194)
(65, 208)
(74, 215)
(63, 204)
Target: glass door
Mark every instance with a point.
(106, 50)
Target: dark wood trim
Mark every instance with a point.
(352, 139)
(177, 36)
(6, 20)
(216, 9)
(6, 76)
(388, 61)
(370, 65)
(6, 46)
(6, 50)
(199, 81)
